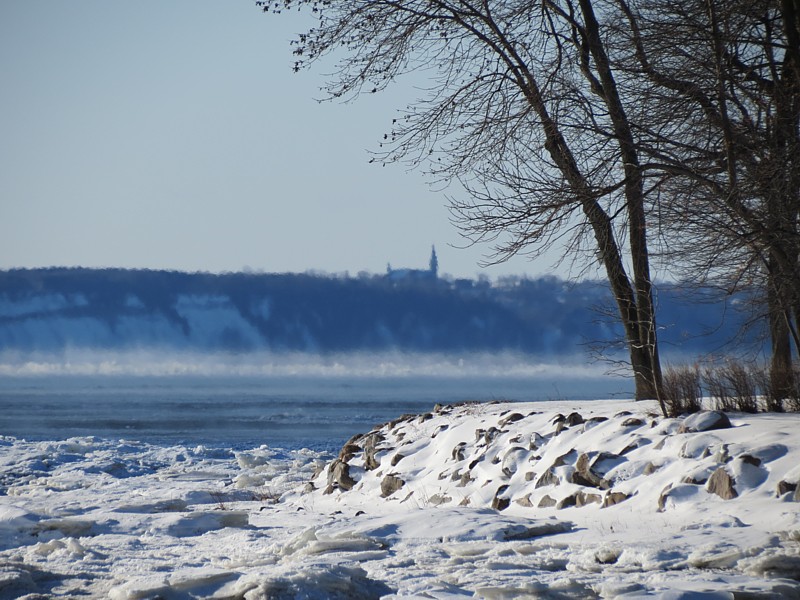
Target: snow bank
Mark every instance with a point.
(539, 500)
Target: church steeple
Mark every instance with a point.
(433, 265)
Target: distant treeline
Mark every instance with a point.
(56, 308)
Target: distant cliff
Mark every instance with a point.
(56, 308)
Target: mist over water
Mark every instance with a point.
(280, 400)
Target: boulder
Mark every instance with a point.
(632, 422)
(721, 484)
(584, 498)
(499, 502)
(512, 418)
(371, 450)
(546, 502)
(339, 477)
(587, 471)
(458, 451)
(547, 478)
(348, 451)
(707, 420)
(784, 487)
(613, 498)
(525, 501)
(390, 485)
(574, 418)
(397, 458)
(466, 479)
(568, 502)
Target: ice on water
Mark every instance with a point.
(88, 517)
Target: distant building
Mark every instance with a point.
(406, 275)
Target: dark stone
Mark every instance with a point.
(525, 501)
(547, 478)
(721, 484)
(546, 502)
(613, 498)
(371, 450)
(650, 468)
(390, 485)
(564, 459)
(348, 451)
(784, 487)
(632, 422)
(574, 419)
(491, 434)
(499, 502)
(465, 479)
(583, 498)
(587, 472)
(397, 458)
(568, 502)
(458, 451)
(339, 477)
(750, 460)
(707, 420)
(512, 418)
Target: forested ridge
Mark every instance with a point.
(55, 308)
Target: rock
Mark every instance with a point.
(465, 479)
(547, 478)
(439, 499)
(568, 502)
(784, 487)
(512, 458)
(458, 451)
(397, 458)
(750, 459)
(464, 502)
(370, 451)
(662, 498)
(546, 502)
(536, 442)
(573, 419)
(456, 476)
(390, 485)
(348, 451)
(525, 501)
(530, 476)
(650, 468)
(584, 498)
(592, 421)
(512, 418)
(722, 455)
(707, 420)
(721, 484)
(564, 459)
(499, 502)
(490, 435)
(632, 422)
(587, 470)
(613, 498)
(339, 477)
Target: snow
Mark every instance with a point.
(601, 499)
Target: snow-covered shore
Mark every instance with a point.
(507, 500)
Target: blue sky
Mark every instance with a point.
(175, 135)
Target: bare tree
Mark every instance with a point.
(524, 111)
(723, 90)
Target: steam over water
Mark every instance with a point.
(291, 409)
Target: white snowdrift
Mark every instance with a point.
(478, 500)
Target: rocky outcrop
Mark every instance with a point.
(721, 484)
(708, 420)
(390, 484)
(339, 477)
